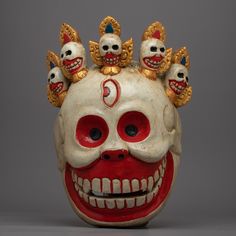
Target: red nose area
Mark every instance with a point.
(114, 155)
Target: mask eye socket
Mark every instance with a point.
(91, 131)
(105, 47)
(133, 126)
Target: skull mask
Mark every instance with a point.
(56, 81)
(118, 146)
(73, 57)
(110, 48)
(152, 53)
(177, 78)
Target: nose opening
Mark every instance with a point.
(114, 155)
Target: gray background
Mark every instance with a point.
(32, 198)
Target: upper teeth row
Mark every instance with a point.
(174, 85)
(102, 187)
(111, 60)
(73, 65)
(152, 63)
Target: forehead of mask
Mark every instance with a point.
(59, 77)
(109, 40)
(147, 44)
(137, 94)
(77, 50)
(172, 74)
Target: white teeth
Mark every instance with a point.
(125, 186)
(80, 181)
(120, 203)
(110, 203)
(150, 183)
(86, 186)
(100, 203)
(116, 186)
(135, 185)
(140, 200)
(76, 187)
(161, 170)
(81, 194)
(156, 175)
(149, 197)
(130, 202)
(144, 184)
(85, 197)
(106, 185)
(96, 185)
(92, 201)
(97, 192)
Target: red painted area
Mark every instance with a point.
(178, 87)
(128, 168)
(68, 63)
(85, 125)
(137, 119)
(56, 87)
(114, 155)
(153, 62)
(156, 34)
(106, 91)
(66, 38)
(111, 59)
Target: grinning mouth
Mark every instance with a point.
(73, 65)
(110, 59)
(112, 199)
(153, 62)
(56, 87)
(177, 86)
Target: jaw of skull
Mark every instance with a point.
(152, 53)
(119, 160)
(177, 78)
(73, 57)
(56, 81)
(110, 47)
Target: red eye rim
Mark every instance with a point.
(133, 126)
(91, 131)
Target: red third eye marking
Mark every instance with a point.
(91, 131)
(133, 126)
(110, 92)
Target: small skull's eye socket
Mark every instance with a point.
(95, 134)
(131, 130)
(68, 52)
(187, 78)
(180, 75)
(105, 47)
(62, 55)
(162, 49)
(153, 49)
(52, 76)
(115, 47)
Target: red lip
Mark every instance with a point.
(74, 65)
(56, 87)
(153, 62)
(129, 168)
(110, 59)
(177, 86)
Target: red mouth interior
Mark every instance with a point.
(177, 86)
(73, 65)
(110, 59)
(128, 168)
(56, 87)
(153, 62)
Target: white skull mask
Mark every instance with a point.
(176, 78)
(152, 53)
(56, 81)
(73, 57)
(110, 48)
(118, 146)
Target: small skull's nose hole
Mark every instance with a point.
(106, 157)
(121, 156)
